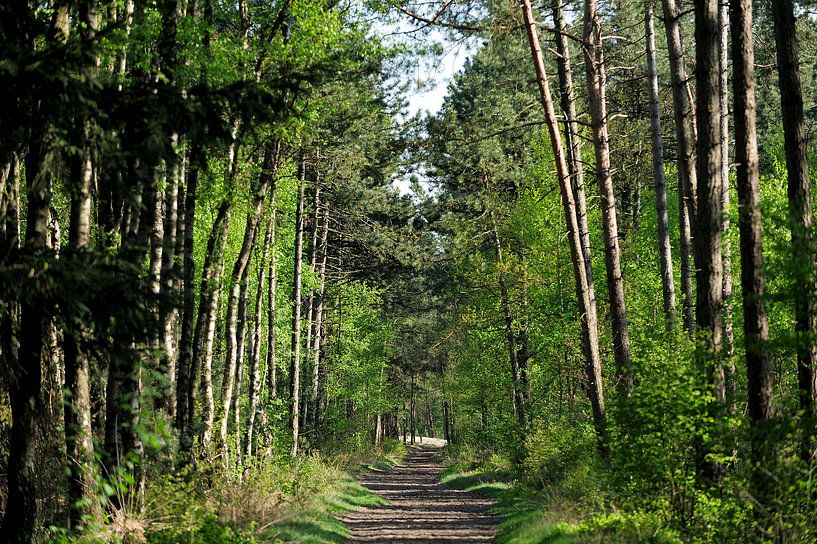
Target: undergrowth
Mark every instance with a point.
(552, 497)
(276, 500)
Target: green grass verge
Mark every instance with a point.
(318, 524)
(531, 516)
(281, 500)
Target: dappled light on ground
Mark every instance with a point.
(420, 508)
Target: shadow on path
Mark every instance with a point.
(420, 508)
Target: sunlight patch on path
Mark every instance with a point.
(420, 509)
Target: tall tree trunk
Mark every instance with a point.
(709, 229)
(255, 358)
(799, 192)
(318, 331)
(587, 311)
(79, 445)
(123, 446)
(664, 244)
(413, 410)
(24, 357)
(186, 368)
(295, 360)
(234, 322)
(310, 311)
(597, 97)
(728, 322)
(272, 363)
(755, 321)
(686, 136)
(170, 279)
(155, 279)
(574, 151)
(241, 350)
(510, 330)
(186, 390)
(205, 331)
(24, 391)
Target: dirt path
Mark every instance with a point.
(420, 509)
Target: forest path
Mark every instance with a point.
(420, 509)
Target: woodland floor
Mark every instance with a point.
(420, 509)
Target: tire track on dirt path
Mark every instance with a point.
(420, 508)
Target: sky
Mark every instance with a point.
(431, 79)
(436, 74)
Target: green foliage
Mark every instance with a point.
(208, 530)
(561, 454)
(279, 500)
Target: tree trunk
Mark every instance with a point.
(80, 459)
(205, 332)
(186, 368)
(318, 325)
(77, 405)
(311, 308)
(597, 97)
(413, 411)
(21, 514)
(574, 152)
(728, 322)
(295, 360)
(155, 279)
(755, 321)
(255, 358)
(799, 192)
(709, 229)
(123, 446)
(686, 136)
(586, 303)
(510, 331)
(170, 285)
(234, 323)
(664, 244)
(272, 363)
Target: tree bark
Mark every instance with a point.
(597, 97)
(80, 460)
(234, 322)
(123, 447)
(24, 390)
(510, 330)
(799, 193)
(255, 358)
(310, 312)
(318, 324)
(205, 332)
(728, 322)
(686, 136)
(664, 244)
(169, 313)
(709, 229)
(295, 359)
(272, 363)
(574, 151)
(755, 321)
(21, 514)
(186, 368)
(587, 311)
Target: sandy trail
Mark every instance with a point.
(420, 509)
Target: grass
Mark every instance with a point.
(279, 500)
(318, 524)
(537, 516)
